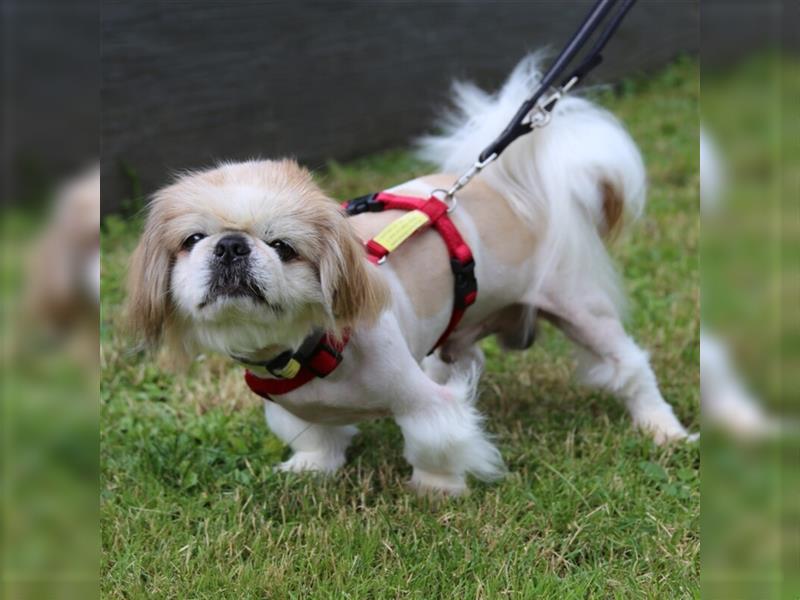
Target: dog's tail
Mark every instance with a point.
(576, 181)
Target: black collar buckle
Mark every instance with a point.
(362, 204)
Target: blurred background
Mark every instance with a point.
(187, 84)
(750, 189)
(50, 191)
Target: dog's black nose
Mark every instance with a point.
(232, 247)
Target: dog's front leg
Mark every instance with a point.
(444, 439)
(319, 448)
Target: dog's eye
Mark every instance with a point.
(284, 250)
(192, 240)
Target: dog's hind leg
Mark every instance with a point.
(515, 327)
(610, 359)
(319, 448)
(443, 364)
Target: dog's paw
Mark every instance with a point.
(313, 462)
(663, 426)
(436, 485)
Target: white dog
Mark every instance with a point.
(249, 259)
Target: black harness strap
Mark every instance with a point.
(276, 365)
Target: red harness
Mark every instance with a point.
(461, 261)
(423, 213)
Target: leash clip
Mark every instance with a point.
(540, 115)
(450, 195)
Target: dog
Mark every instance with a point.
(248, 258)
(61, 300)
(727, 402)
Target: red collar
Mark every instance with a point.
(320, 359)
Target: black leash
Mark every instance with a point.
(536, 111)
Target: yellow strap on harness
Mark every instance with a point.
(291, 369)
(400, 230)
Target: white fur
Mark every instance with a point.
(552, 179)
(727, 403)
(549, 176)
(444, 440)
(633, 380)
(316, 447)
(712, 175)
(91, 276)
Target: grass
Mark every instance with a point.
(192, 509)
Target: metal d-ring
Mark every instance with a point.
(449, 199)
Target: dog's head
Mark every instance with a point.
(245, 257)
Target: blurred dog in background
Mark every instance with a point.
(62, 293)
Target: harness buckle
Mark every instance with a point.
(362, 204)
(466, 286)
(325, 360)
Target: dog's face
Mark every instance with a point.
(246, 257)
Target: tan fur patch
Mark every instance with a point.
(501, 232)
(613, 209)
(422, 264)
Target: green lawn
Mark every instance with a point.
(192, 509)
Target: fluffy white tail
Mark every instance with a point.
(574, 181)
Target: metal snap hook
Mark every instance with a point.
(448, 198)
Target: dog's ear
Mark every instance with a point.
(148, 287)
(353, 288)
(148, 312)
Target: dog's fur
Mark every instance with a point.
(62, 287)
(535, 221)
